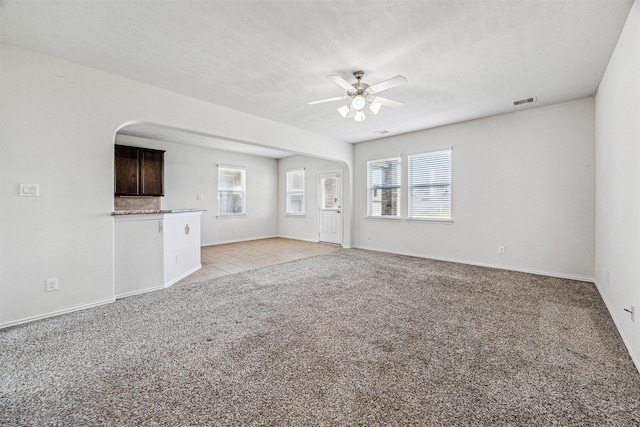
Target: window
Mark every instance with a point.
(383, 188)
(430, 185)
(329, 193)
(231, 190)
(295, 192)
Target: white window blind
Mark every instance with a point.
(383, 188)
(231, 190)
(295, 192)
(430, 185)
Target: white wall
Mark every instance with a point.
(57, 129)
(617, 122)
(307, 227)
(191, 170)
(523, 180)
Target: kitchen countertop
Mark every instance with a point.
(156, 211)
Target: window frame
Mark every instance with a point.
(397, 186)
(411, 185)
(289, 192)
(242, 191)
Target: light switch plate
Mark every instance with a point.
(30, 190)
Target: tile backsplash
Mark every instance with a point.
(136, 203)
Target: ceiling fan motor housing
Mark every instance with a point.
(360, 88)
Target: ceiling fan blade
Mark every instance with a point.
(388, 102)
(341, 82)
(388, 84)
(320, 101)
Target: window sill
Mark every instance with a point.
(441, 221)
(231, 216)
(290, 215)
(385, 218)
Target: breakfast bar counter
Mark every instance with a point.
(155, 248)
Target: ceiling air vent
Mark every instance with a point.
(525, 101)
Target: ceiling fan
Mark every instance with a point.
(362, 95)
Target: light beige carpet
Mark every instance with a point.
(348, 338)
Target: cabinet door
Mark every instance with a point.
(151, 173)
(126, 171)
(138, 255)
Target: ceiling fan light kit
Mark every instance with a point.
(363, 95)
(375, 107)
(344, 111)
(358, 102)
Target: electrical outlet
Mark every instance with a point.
(52, 284)
(369, 236)
(500, 249)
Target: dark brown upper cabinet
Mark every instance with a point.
(138, 171)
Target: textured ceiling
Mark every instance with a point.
(463, 59)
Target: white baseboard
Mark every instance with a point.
(224, 242)
(625, 340)
(265, 237)
(140, 291)
(166, 285)
(182, 276)
(56, 313)
(499, 267)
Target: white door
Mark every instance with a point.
(330, 208)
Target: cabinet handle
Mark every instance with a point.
(160, 227)
(186, 229)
